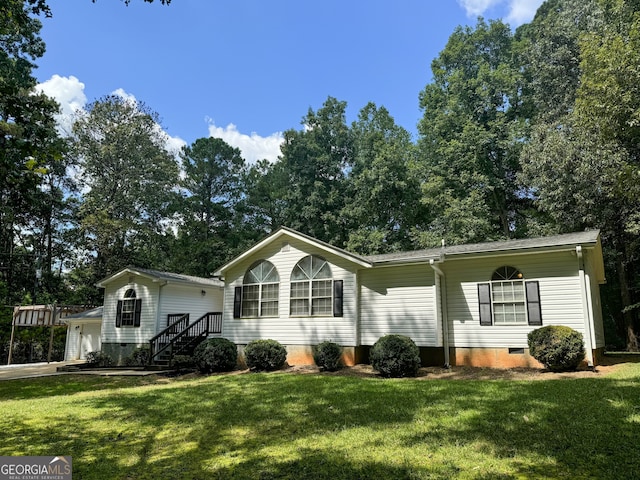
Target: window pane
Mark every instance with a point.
(321, 288)
(269, 309)
(250, 308)
(270, 291)
(300, 307)
(321, 306)
(250, 292)
(300, 290)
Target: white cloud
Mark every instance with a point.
(517, 11)
(477, 7)
(253, 147)
(69, 93)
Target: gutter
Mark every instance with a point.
(442, 290)
(585, 306)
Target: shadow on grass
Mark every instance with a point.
(43, 387)
(313, 426)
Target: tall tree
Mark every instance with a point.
(129, 182)
(27, 137)
(470, 140)
(582, 161)
(213, 186)
(315, 161)
(548, 51)
(383, 193)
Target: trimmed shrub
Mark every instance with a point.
(99, 359)
(139, 357)
(328, 356)
(265, 355)
(395, 356)
(183, 362)
(557, 347)
(215, 355)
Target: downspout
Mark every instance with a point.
(585, 307)
(442, 290)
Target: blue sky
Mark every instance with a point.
(247, 70)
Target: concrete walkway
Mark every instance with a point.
(34, 370)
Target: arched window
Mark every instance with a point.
(509, 299)
(128, 310)
(260, 288)
(312, 287)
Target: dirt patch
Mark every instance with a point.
(467, 373)
(608, 366)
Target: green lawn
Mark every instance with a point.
(298, 426)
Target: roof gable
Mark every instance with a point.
(285, 232)
(162, 277)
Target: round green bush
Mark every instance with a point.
(215, 355)
(99, 359)
(139, 357)
(395, 356)
(265, 355)
(557, 347)
(328, 356)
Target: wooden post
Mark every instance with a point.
(52, 327)
(13, 328)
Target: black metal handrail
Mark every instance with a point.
(209, 323)
(165, 336)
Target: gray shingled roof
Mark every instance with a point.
(94, 313)
(167, 277)
(177, 277)
(565, 240)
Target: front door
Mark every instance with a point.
(89, 339)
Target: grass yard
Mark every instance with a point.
(307, 426)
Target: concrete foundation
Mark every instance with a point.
(119, 351)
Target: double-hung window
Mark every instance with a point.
(312, 287)
(128, 310)
(260, 290)
(509, 300)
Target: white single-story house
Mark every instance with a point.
(462, 305)
(141, 305)
(83, 334)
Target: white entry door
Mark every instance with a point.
(89, 339)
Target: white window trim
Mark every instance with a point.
(522, 302)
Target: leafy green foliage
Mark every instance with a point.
(215, 355)
(99, 359)
(314, 162)
(395, 356)
(471, 139)
(557, 347)
(129, 178)
(328, 356)
(265, 355)
(138, 358)
(183, 362)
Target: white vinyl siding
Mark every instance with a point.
(286, 328)
(147, 291)
(560, 297)
(399, 300)
(188, 299)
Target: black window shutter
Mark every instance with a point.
(484, 300)
(237, 302)
(533, 303)
(337, 298)
(138, 310)
(119, 314)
